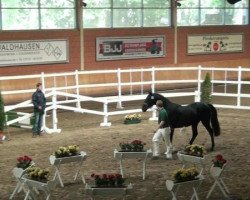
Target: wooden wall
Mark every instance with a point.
(90, 35)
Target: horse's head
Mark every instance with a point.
(149, 102)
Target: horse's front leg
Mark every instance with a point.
(195, 133)
(168, 137)
(171, 136)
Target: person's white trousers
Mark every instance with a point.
(163, 133)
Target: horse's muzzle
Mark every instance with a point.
(144, 107)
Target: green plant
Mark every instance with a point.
(70, 150)
(108, 180)
(38, 174)
(195, 150)
(133, 117)
(136, 145)
(2, 114)
(206, 89)
(185, 174)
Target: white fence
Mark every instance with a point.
(75, 96)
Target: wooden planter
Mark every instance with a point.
(192, 160)
(133, 154)
(108, 191)
(216, 173)
(34, 186)
(78, 159)
(135, 121)
(173, 187)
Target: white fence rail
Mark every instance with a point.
(75, 96)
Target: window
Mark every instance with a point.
(37, 14)
(212, 12)
(126, 13)
(61, 14)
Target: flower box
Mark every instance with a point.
(127, 155)
(184, 158)
(55, 161)
(34, 186)
(132, 119)
(109, 191)
(170, 184)
(134, 146)
(135, 121)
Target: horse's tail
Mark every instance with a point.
(214, 120)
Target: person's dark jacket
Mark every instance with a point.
(38, 99)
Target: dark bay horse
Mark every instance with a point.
(190, 115)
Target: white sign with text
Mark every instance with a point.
(31, 52)
(216, 43)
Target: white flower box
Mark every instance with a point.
(109, 191)
(56, 162)
(121, 155)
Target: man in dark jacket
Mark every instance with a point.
(39, 102)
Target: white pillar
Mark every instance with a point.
(119, 87)
(239, 85)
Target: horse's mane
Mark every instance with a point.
(165, 101)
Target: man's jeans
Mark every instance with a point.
(38, 123)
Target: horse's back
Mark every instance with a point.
(189, 115)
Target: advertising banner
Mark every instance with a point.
(30, 52)
(114, 48)
(218, 43)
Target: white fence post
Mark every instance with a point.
(153, 80)
(43, 89)
(154, 117)
(198, 93)
(142, 82)
(105, 117)
(54, 115)
(78, 103)
(239, 86)
(119, 87)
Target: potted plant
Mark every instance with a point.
(108, 180)
(132, 119)
(135, 145)
(206, 89)
(195, 150)
(187, 174)
(67, 151)
(37, 174)
(24, 162)
(218, 164)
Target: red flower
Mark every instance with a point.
(219, 157)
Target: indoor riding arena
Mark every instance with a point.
(94, 64)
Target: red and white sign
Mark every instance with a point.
(218, 43)
(129, 48)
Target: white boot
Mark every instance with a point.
(169, 153)
(156, 149)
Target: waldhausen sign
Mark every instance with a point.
(29, 52)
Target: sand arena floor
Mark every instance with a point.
(100, 142)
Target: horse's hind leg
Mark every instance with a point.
(210, 131)
(195, 133)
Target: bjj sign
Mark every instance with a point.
(219, 43)
(129, 48)
(29, 52)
